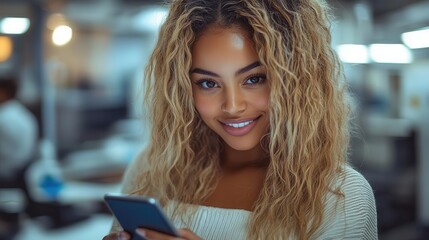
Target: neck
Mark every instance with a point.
(232, 159)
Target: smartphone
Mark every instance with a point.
(134, 211)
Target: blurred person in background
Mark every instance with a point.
(249, 117)
(18, 139)
(18, 131)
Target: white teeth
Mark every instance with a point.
(239, 125)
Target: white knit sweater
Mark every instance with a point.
(353, 218)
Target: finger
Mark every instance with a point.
(188, 234)
(124, 236)
(117, 236)
(150, 234)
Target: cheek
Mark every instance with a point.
(205, 106)
(262, 100)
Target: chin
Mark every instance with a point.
(242, 146)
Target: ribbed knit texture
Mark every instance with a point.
(217, 223)
(353, 218)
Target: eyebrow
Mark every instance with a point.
(240, 71)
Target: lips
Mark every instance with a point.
(239, 127)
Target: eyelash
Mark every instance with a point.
(261, 79)
(205, 81)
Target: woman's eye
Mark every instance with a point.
(255, 80)
(207, 84)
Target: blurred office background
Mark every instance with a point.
(79, 65)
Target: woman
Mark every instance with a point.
(249, 126)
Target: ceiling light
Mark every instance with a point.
(353, 53)
(62, 35)
(416, 39)
(390, 53)
(14, 25)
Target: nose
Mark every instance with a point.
(234, 102)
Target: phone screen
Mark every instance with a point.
(139, 211)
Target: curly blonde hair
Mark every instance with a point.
(308, 137)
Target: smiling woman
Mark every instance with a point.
(230, 90)
(249, 126)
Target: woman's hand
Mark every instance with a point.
(185, 234)
(117, 236)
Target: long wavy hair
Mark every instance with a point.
(308, 137)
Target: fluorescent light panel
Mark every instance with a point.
(416, 39)
(14, 25)
(390, 53)
(353, 53)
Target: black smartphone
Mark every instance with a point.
(134, 211)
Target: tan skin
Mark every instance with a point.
(239, 184)
(229, 88)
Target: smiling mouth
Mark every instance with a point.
(240, 124)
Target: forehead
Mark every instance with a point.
(221, 43)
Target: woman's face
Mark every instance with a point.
(230, 88)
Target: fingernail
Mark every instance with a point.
(123, 236)
(141, 232)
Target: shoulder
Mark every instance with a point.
(359, 206)
(131, 181)
(358, 196)
(355, 189)
(16, 122)
(14, 112)
(353, 215)
(354, 185)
